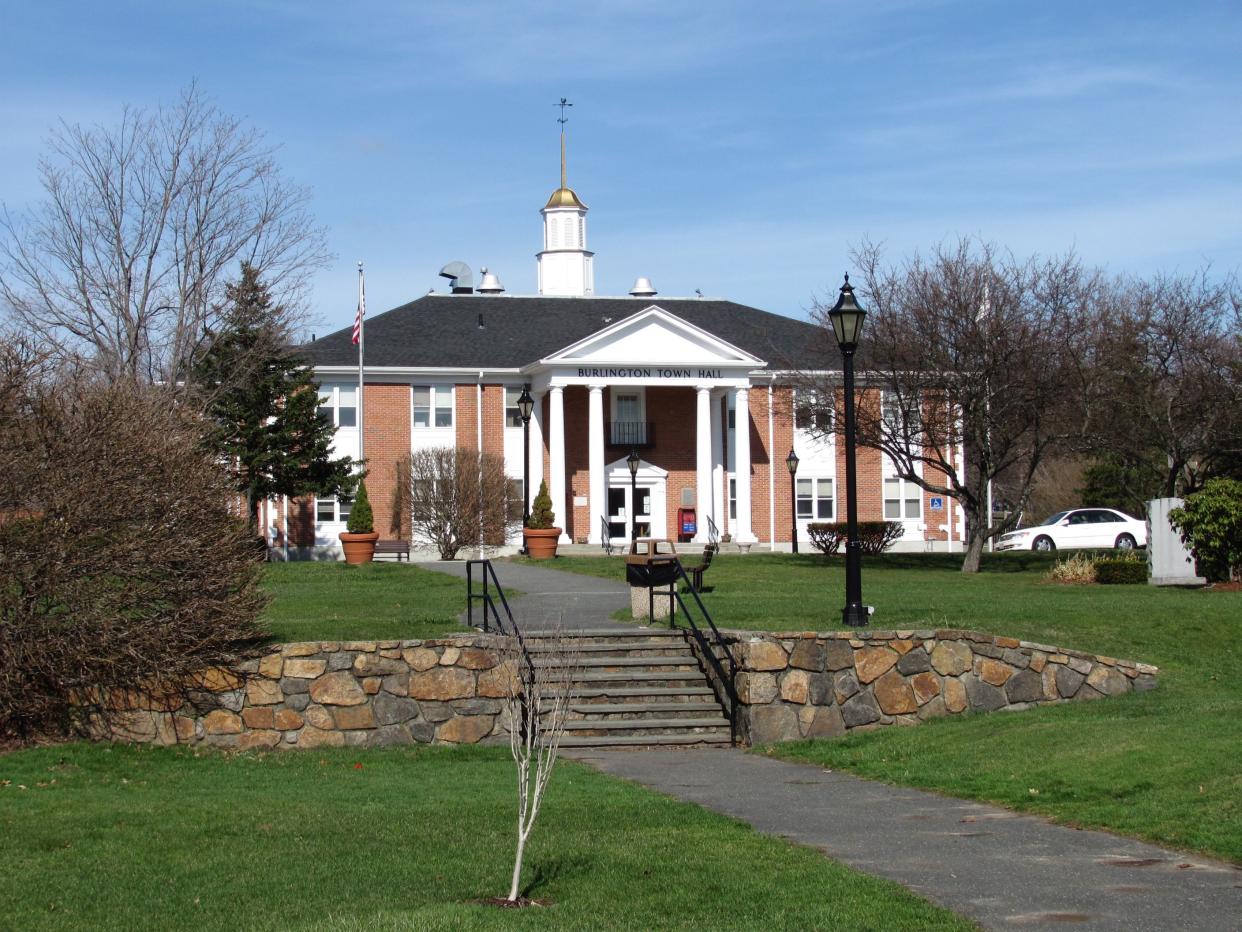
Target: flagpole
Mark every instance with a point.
(362, 304)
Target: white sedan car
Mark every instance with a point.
(1081, 527)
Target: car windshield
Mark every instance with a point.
(1054, 519)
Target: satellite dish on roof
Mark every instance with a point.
(462, 277)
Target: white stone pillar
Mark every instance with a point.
(556, 453)
(741, 465)
(595, 463)
(720, 492)
(703, 463)
(535, 453)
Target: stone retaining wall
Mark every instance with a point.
(335, 694)
(811, 685)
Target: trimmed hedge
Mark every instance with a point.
(873, 536)
(1120, 572)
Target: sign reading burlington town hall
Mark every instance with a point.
(648, 373)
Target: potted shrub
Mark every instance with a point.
(359, 537)
(540, 533)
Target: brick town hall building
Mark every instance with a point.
(702, 389)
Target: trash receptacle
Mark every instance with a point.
(651, 569)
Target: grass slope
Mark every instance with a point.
(131, 838)
(331, 601)
(1164, 765)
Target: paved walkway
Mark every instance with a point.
(1004, 870)
(551, 598)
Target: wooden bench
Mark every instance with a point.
(696, 572)
(398, 548)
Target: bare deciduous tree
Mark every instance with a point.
(122, 567)
(454, 498)
(537, 704)
(974, 351)
(124, 263)
(1169, 386)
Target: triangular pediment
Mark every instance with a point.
(654, 336)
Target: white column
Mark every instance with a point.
(556, 453)
(741, 465)
(595, 463)
(535, 453)
(720, 496)
(703, 463)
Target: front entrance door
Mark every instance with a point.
(619, 510)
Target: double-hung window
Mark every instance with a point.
(513, 414)
(339, 404)
(433, 406)
(332, 510)
(902, 499)
(815, 499)
(813, 411)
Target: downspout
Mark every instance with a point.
(771, 469)
(478, 423)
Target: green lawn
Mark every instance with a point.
(332, 601)
(100, 837)
(1164, 765)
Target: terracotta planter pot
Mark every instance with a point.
(359, 548)
(541, 542)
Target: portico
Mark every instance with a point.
(621, 367)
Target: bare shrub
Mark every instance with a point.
(537, 704)
(454, 498)
(122, 568)
(1078, 570)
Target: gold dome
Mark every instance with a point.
(564, 197)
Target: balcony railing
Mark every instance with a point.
(631, 434)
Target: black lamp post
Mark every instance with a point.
(632, 461)
(526, 405)
(847, 320)
(792, 462)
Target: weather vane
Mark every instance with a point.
(562, 119)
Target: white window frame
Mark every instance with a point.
(340, 509)
(815, 498)
(617, 390)
(516, 392)
(434, 393)
(815, 402)
(907, 492)
(330, 397)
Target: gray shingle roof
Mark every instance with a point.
(443, 330)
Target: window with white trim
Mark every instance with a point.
(339, 404)
(732, 499)
(811, 410)
(815, 499)
(513, 414)
(332, 510)
(433, 406)
(902, 499)
(901, 423)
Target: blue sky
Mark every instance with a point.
(738, 148)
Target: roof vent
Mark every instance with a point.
(643, 288)
(490, 284)
(462, 277)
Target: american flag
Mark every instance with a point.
(362, 307)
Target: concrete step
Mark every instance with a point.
(613, 740)
(640, 724)
(629, 677)
(643, 710)
(685, 659)
(599, 646)
(640, 693)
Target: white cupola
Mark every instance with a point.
(566, 267)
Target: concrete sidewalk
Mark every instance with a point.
(552, 598)
(1001, 869)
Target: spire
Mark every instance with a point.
(562, 119)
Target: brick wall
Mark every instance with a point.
(387, 427)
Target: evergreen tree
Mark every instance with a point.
(264, 403)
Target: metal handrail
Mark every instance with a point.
(489, 604)
(605, 535)
(713, 532)
(727, 682)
